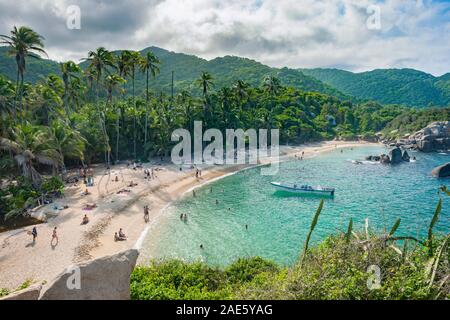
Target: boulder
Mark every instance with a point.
(442, 171)
(405, 156)
(425, 146)
(30, 293)
(106, 278)
(395, 155)
(384, 158)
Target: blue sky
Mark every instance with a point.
(293, 33)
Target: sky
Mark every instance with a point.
(354, 35)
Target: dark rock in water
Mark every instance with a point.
(384, 158)
(395, 155)
(442, 171)
(405, 156)
(425, 146)
(373, 158)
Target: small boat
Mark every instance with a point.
(304, 189)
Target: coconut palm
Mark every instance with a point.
(271, 85)
(149, 65)
(205, 83)
(112, 82)
(99, 62)
(31, 145)
(23, 43)
(69, 142)
(134, 60)
(70, 70)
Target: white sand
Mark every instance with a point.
(20, 260)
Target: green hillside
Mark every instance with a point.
(187, 68)
(387, 86)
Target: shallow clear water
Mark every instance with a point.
(278, 223)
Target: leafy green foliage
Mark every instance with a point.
(389, 86)
(410, 121)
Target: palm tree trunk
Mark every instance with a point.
(16, 96)
(20, 99)
(146, 114)
(134, 122)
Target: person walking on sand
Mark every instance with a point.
(34, 234)
(54, 238)
(146, 214)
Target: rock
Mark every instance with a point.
(30, 293)
(405, 156)
(384, 158)
(433, 137)
(395, 155)
(425, 146)
(442, 171)
(106, 278)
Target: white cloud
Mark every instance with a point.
(293, 33)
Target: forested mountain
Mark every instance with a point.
(401, 86)
(187, 68)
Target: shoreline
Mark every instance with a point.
(20, 260)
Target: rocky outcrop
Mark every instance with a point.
(30, 293)
(395, 155)
(106, 278)
(385, 159)
(434, 137)
(442, 171)
(405, 156)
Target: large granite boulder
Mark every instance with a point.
(442, 171)
(30, 293)
(106, 278)
(433, 137)
(395, 155)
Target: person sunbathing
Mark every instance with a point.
(132, 184)
(90, 206)
(85, 219)
(123, 191)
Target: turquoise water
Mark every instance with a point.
(278, 223)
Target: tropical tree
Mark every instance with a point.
(99, 62)
(149, 65)
(23, 43)
(31, 145)
(134, 60)
(271, 85)
(112, 82)
(205, 83)
(69, 142)
(70, 71)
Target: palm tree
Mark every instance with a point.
(134, 60)
(112, 82)
(99, 61)
(240, 89)
(7, 92)
(69, 142)
(23, 42)
(149, 65)
(205, 83)
(271, 85)
(70, 70)
(31, 145)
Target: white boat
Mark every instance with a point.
(304, 189)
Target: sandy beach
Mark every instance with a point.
(21, 259)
